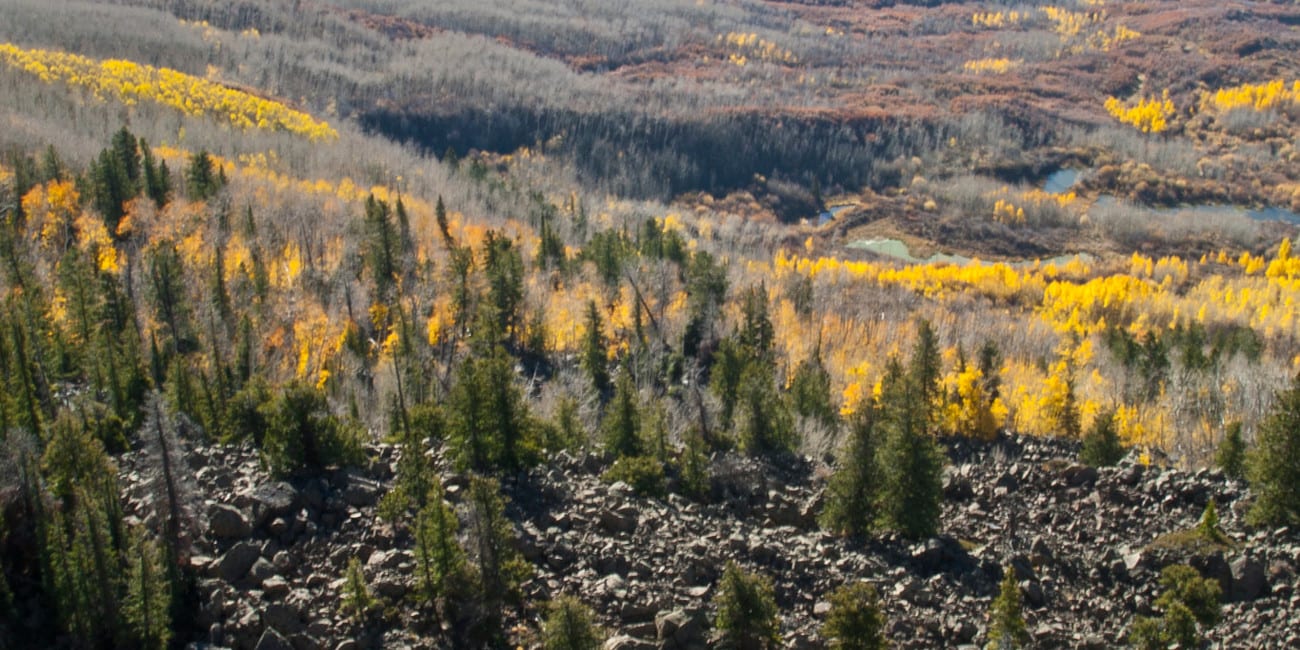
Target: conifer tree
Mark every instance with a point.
(763, 422)
(1231, 454)
(1006, 623)
(910, 463)
(1101, 445)
(1274, 464)
(851, 496)
(570, 625)
(747, 615)
(501, 570)
(622, 421)
(439, 559)
(855, 621)
(148, 602)
(594, 360)
(202, 178)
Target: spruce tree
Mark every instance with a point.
(1231, 454)
(570, 625)
(851, 497)
(594, 359)
(622, 422)
(1101, 445)
(501, 569)
(747, 616)
(855, 621)
(1006, 622)
(1274, 464)
(911, 465)
(148, 602)
(440, 561)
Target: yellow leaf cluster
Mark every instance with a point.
(747, 46)
(1260, 97)
(1070, 23)
(996, 19)
(1147, 116)
(129, 82)
(993, 66)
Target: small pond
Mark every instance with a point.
(1061, 180)
(899, 250)
(831, 213)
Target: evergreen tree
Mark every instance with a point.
(147, 606)
(1188, 600)
(168, 294)
(504, 269)
(747, 614)
(126, 151)
(810, 390)
(851, 496)
(1231, 454)
(440, 561)
(570, 625)
(1101, 445)
(1274, 465)
(763, 422)
(157, 179)
(594, 359)
(501, 570)
(622, 421)
(489, 423)
(110, 189)
(855, 621)
(1006, 623)
(925, 373)
(202, 177)
(911, 465)
(381, 247)
(756, 332)
(52, 168)
(356, 599)
(302, 436)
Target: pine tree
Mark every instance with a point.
(381, 247)
(110, 189)
(1101, 445)
(851, 496)
(1006, 623)
(489, 424)
(763, 423)
(147, 606)
(910, 463)
(594, 359)
(1231, 454)
(622, 421)
(202, 180)
(570, 625)
(810, 390)
(925, 373)
(501, 570)
(439, 559)
(855, 621)
(126, 151)
(747, 615)
(356, 598)
(1274, 465)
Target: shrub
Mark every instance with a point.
(644, 473)
(855, 621)
(1188, 600)
(569, 625)
(302, 435)
(747, 614)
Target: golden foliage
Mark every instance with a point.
(130, 82)
(749, 46)
(1147, 116)
(1259, 97)
(993, 66)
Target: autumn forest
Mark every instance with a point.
(487, 233)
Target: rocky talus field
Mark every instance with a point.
(1087, 546)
